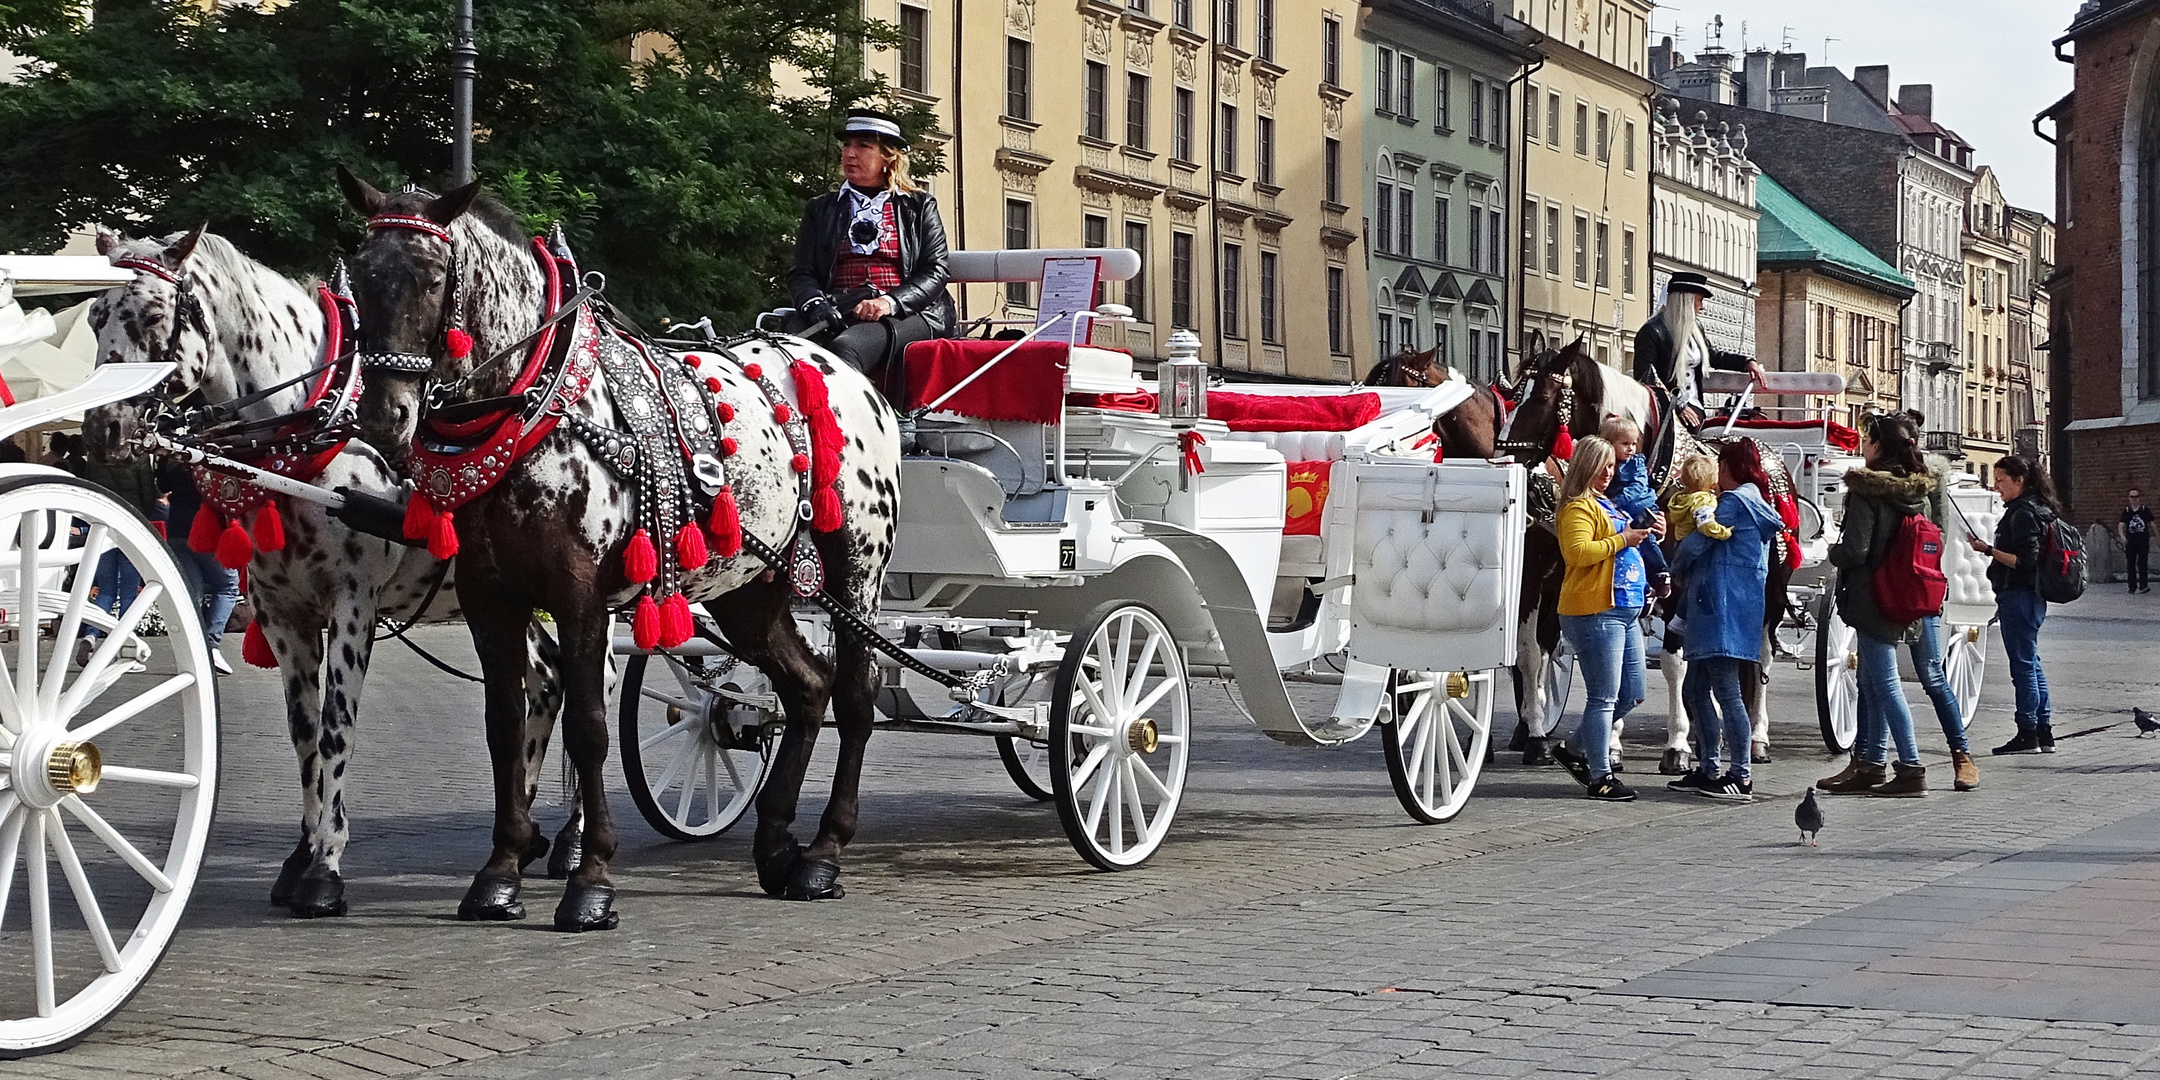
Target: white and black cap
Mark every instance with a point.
(871, 122)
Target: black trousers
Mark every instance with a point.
(869, 346)
(2136, 551)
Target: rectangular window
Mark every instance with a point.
(1335, 300)
(914, 47)
(1441, 353)
(1136, 107)
(1384, 217)
(1582, 250)
(1604, 252)
(1263, 130)
(1497, 224)
(1604, 136)
(1181, 271)
(1477, 110)
(1331, 171)
(1264, 30)
(1137, 5)
(1582, 129)
(1492, 349)
(1552, 120)
(1095, 233)
(1406, 86)
(1384, 81)
(1477, 354)
(1019, 64)
(1499, 115)
(1181, 134)
(1331, 51)
(1232, 290)
(1227, 28)
(1229, 138)
(1627, 261)
(1440, 229)
(1443, 82)
(1270, 281)
(1095, 102)
(1477, 237)
(1529, 111)
(1387, 334)
(1405, 222)
(1181, 11)
(1019, 233)
(1136, 296)
(1552, 240)
(1628, 147)
(1529, 235)
(1406, 332)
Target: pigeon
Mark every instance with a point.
(1808, 815)
(2146, 722)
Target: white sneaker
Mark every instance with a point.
(218, 664)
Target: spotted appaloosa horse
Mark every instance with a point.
(244, 328)
(1572, 383)
(553, 533)
(1468, 432)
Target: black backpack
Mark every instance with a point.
(2062, 572)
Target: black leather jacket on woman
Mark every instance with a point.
(922, 256)
(2020, 532)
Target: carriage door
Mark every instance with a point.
(1438, 558)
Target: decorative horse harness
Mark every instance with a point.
(669, 442)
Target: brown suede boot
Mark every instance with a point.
(1910, 783)
(1857, 778)
(1967, 775)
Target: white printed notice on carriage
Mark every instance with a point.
(1068, 289)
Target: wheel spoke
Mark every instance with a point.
(665, 698)
(690, 783)
(1090, 694)
(90, 681)
(1091, 731)
(1114, 779)
(152, 777)
(85, 899)
(1435, 733)
(713, 805)
(1155, 695)
(676, 765)
(118, 843)
(1139, 675)
(41, 949)
(10, 843)
(1096, 792)
(134, 707)
(71, 616)
(1133, 808)
(1089, 764)
(663, 735)
(1121, 660)
(1141, 772)
(734, 777)
(29, 529)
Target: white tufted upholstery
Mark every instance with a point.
(1298, 445)
(1437, 593)
(1971, 599)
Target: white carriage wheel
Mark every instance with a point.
(1028, 764)
(690, 774)
(1120, 735)
(1965, 664)
(1559, 683)
(1837, 676)
(1436, 741)
(119, 765)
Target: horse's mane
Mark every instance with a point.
(489, 213)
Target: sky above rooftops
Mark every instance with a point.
(1991, 62)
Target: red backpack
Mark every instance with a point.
(1909, 581)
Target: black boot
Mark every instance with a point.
(2044, 736)
(2024, 742)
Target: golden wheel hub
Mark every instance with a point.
(75, 768)
(1143, 736)
(1852, 661)
(1458, 684)
(1972, 635)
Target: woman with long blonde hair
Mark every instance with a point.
(1601, 603)
(870, 275)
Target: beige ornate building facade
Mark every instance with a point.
(1992, 268)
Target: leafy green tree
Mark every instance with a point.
(681, 175)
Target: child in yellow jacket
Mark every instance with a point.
(1694, 506)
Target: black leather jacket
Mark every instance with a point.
(2020, 532)
(922, 256)
(1657, 361)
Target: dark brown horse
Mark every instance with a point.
(1469, 431)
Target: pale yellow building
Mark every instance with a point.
(1992, 267)
(1214, 136)
(1586, 176)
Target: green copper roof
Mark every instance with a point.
(1792, 233)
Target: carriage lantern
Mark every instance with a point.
(1181, 381)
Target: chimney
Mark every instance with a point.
(1755, 76)
(1788, 69)
(1875, 79)
(1662, 59)
(1917, 99)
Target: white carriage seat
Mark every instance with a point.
(1015, 451)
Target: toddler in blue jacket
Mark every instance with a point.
(1630, 491)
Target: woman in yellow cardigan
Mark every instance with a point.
(1601, 603)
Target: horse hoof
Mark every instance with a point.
(1673, 763)
(1519, 741)
(1538, 752)
(1759, 753)
(569, 852)
(491, 900)
(288, 877)
(586, 907)
(533, 851)
(815, 879)
(319, 895)
(776, 870)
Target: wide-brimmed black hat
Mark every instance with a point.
(1686, 282)
(885, 126)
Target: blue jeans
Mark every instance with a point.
(1884, 715)
(1927, 659)
(1717, 712)
(117, 584)
(1609, 655)
(214, 588)
(2021, 611)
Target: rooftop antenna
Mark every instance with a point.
(1717, 32)
(1743, 35)
(1826, 48)
(1786, 45)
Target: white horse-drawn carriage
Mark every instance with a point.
(1077, 544)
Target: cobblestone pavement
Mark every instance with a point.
(1295, 925)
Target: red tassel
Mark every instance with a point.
(676, 625)
(202, 536)
(726, 524)
(1563, 447)
(640, 562)
(826, 513)
(269, 528)
(753, 371)
(234, 549)
(690, 551)
(726, 412)
(1439, 453)
(443, 541)
(645, 625)
(255, 648)
(419, 518)
(800, 463)
(459, 343)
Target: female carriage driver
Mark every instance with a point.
(870, 257)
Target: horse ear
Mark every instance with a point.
(446, 208)
(177, 251)
(361, 194)
(107, 240)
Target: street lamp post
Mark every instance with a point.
(464, 72)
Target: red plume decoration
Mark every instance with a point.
(255, 648)
(640, 560)
(234, 549)
(726, 524)
(270, 528)
(458, 342)
(690, 551)
(419, 518)
(443, 541)
(645, 625)
(676, 625)
(202, 536)
(1563, 447)
(826, 512)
